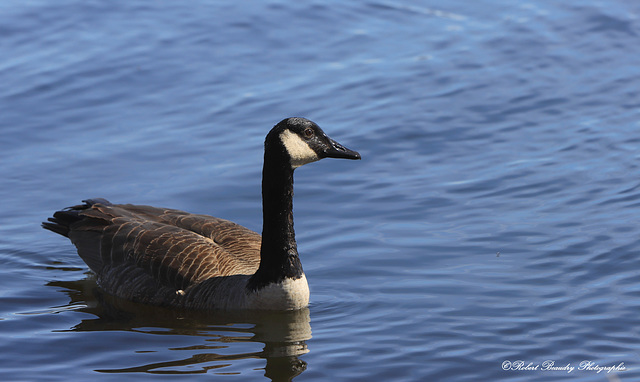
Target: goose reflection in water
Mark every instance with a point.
(222, 340)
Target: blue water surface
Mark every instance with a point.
(493, 218)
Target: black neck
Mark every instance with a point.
(279, 252)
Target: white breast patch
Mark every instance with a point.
(290, 294)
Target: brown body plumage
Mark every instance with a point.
(159, 256)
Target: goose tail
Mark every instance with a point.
(62, 220)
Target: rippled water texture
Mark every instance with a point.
(493, 218)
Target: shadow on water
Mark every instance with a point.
(283, 335)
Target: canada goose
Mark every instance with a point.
(169, 257)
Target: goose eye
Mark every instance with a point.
(308, 132)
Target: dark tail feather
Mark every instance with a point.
(62, 220)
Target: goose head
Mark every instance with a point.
(302, 141)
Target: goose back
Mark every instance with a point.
(157, 255)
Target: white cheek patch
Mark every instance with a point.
(298, 150)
